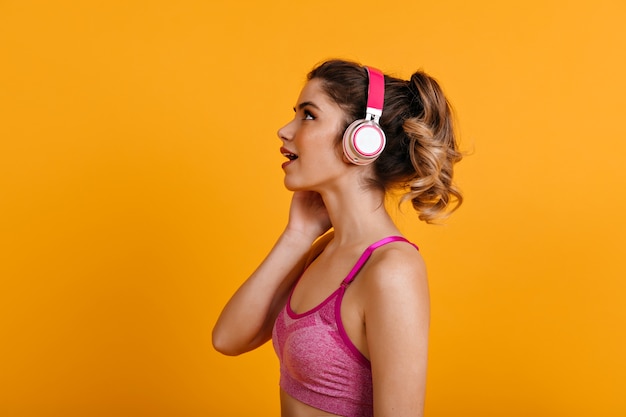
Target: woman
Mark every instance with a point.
(348, 310)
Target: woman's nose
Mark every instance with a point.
(285, 132)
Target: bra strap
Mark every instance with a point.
(368, 252)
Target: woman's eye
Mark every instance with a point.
(308, 115)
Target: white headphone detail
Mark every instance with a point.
(364, 140)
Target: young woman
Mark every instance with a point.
(348, 309)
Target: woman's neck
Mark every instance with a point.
(358, 214)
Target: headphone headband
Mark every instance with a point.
(375, 94)
(364, 140)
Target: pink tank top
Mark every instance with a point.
(319, 365)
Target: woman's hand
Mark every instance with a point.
(308, 215)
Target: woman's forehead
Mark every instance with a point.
(313, 92)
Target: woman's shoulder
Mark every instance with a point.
(395, 264)
(396, 251)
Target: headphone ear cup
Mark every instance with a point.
(363, 142)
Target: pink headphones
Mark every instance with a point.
(364, 140)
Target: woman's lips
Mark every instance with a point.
(289, 155)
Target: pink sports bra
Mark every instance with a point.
(319, 365)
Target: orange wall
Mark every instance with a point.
(140, 183)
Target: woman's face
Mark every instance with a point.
(310, 141)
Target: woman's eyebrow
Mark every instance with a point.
(305, 104)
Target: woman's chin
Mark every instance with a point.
(292, 187)
(288, 185)
(295, 186)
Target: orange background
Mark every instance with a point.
(140, 183)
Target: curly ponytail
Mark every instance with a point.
(432, 149)
(421, 146)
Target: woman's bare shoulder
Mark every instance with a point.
(398, 266)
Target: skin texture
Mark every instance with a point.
(385, 310)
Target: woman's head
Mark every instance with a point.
(417, 120)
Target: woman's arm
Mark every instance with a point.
(247, 319)
(397, 321)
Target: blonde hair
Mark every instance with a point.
(433, 152)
